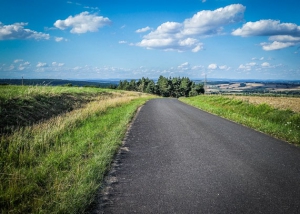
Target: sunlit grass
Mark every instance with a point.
(283, 103)
(282, 124)
(56, 166)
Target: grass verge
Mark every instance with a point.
(25, 105)
(282, 124)
(57, 166)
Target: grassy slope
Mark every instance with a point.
(282, 124)
(57, 165)
(21, 106)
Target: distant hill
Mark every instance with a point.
(55, 82)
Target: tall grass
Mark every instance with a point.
(15, 91)
(56, 166)
(282, 124)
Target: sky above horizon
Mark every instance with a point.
(104, 39)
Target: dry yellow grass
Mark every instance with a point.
(292, 103)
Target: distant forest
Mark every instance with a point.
(166, 87)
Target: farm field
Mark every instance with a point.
(56, 163)
(253, 87)
(284, 103)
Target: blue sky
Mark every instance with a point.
(101, 39)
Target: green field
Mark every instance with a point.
(56, 165)
(282, 124)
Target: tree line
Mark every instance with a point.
(166, 87)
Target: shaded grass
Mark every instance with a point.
(25, 105)
(282, 124)
(56, 166)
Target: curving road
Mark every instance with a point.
(183, 160)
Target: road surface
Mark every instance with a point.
(178, 159)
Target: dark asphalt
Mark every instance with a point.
(183, 160)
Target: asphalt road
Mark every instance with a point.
(178, 159)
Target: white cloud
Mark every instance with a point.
(223, 67)
(207, 22)
(267, 28)
(122, 42)
(142, 30)
(83, 23)
(183, 36)
(59, 39)
(18, 60)
(17, 31)
(251, 64)
(282, 35)
(265, 65)
(59, 64)
(77, 68)
(212, 66)
(276, 45)
(24, 65)
(198, 67)
(41, 65)
(284, 38)
(247, 66)
(184, 66)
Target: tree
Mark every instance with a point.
(166, 87)
(163, 86)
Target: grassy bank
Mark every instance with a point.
(56, 166)
(282, 124)
(25, 105)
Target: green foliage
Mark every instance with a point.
(283, 124)
(68, 85)
(165, 87)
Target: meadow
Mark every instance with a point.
(55, 164)
(276, 116)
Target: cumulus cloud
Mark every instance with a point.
(247, 66)
(142, 30)
(17, 31)
(83, 22)
(267, 28)
(18, 60)
(208, 22)
(223, 67)
(265, 64)
(122, 42)
(58, 64)
(183, 36)
(281, 35)
(276, 45)
(59, 39)
(184, 66)
(41, 65)
(212, 66)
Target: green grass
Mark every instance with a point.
(17, 91)
(56, 166)
(282, 124)
(25, 105)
